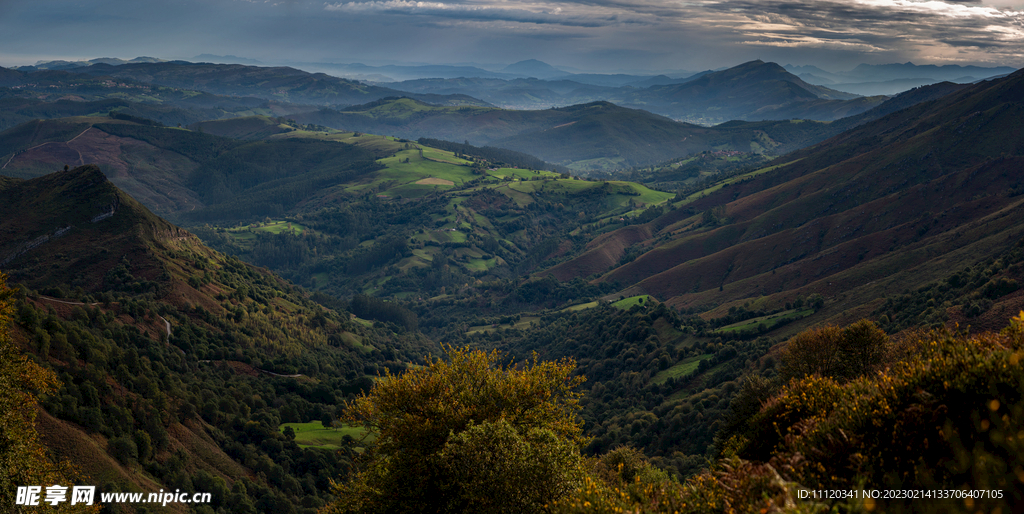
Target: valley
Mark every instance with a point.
(205, 298)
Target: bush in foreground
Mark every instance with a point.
(949, 417)
(467, 434)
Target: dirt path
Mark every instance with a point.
(277, 375)
(81, 159)
(80, 135)
(167, 324)
(41, 297)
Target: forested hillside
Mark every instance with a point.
(753, 328)
(177, 365)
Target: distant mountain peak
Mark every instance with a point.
(533, 68)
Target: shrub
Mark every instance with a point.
(467, 433)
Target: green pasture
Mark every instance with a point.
(415, 190)
(732, 180)
(419, 259)
(356, 342)
(361, 321)
(404, 108)
(580, 307)
(626, 303)
(247, 235)
(441, 235)
(520, 198)
(600, 163)
(449, 236)
(314, 435)
(442, 155)
(522, 174)
(424, 254)
(524, 322)
(407, 167)
(481, 264)
(277, 227)
(770, 321)
(681, 369)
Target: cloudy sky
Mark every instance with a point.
(594, 35)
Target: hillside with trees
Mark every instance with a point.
(451, 328)
(179, 362)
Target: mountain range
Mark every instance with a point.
(769, 92)
(923, 190)
(889, 79)
(183, 366)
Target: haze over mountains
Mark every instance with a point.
(887, 79)
(533, 84)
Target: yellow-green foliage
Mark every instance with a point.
(23, 458)
(621, 481)
(467, 433)
(948, 416)
(624, 482)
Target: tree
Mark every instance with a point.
(23, 458)
(327, 420)
(833, 352)
(468, 434)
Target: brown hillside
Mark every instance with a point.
(602, 252)
(153, 175)
(882, 208)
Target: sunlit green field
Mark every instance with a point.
(681, 369)
(314, 435)
(626, 303)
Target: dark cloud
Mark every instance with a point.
(597, 34)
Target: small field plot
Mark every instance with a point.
(448, 235)
(480, 264)
(419, 259)
(379, 145)
(626, 303)
(356, 342)
(407, 166)
(443, 156)
(599, 164)
(314, 435)
(246, 236)
(277, 227)
(681, 369)
(625, 194)
(524, 322)
(521, 174)
(568, 186)
(770, 321)
(415, 190)
(580, 307)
